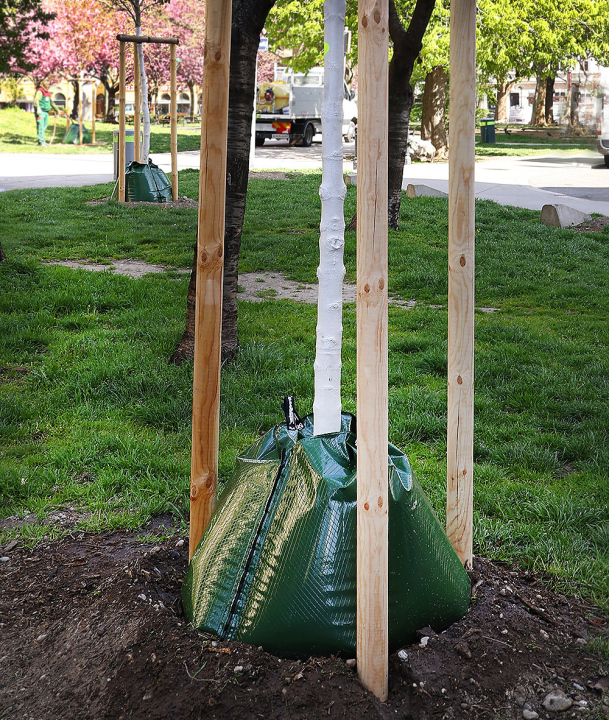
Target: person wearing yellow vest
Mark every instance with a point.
(42, 106)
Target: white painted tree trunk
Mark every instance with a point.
(145, 152)
(331, 271)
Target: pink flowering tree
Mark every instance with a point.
(188, 25)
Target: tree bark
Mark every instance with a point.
(433, 124)
(549, 107)
(538, 113)
(248, 19)
(75, 100)
(407, 45)
(501, 108)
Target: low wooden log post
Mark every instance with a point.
(461, 234)
(372, 373)
(80, 100)
(121, 123)
(137, 103)
(174, 124)
(210, 264)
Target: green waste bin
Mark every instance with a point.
(487, 130)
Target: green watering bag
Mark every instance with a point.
(277, 564)
(146, 183)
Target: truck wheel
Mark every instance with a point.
(259, 142)
(307, 135)
(606, 158)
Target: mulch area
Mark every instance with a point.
(91, 627)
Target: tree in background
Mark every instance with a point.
(188, 24)
(248, 20)
(21, 23)
(135, 9)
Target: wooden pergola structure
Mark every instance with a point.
(372, 301)
(173, 109)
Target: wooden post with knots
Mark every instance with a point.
(210, 267)
(461, 234)
(372, 373)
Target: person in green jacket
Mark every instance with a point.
(42, 106)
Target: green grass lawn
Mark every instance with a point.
(92, 416)
(523, 141)
(18, 135)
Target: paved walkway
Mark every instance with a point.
(580, 181)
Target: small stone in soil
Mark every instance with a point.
(557, 701)
(4, 559)
(352, 662)
(529, 715)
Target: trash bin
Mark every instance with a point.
(129, 149)
(487, 130)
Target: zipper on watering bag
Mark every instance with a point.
(255, 545)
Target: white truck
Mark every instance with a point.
(289, 108)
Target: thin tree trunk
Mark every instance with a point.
(249, 17)
(111, 89)
(549, 109)
(433, 124)
(538, 113)
(407, 45)
(501, 108)
(191, 92)
(331, 271)
(75, 100)
(145, 151)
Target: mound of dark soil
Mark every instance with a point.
(91, 628)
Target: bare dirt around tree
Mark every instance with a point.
(91, 627)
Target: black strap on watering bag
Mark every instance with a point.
(291, 416)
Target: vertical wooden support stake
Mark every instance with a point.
(174, 124)
(137, 103)
(121, 123)
(210, 264)
(461, 233)
(93, 111)
(80, 99)
(372, 375)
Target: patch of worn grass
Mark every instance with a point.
(93, 418)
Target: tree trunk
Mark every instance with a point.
(501, 108)
(407, 45)
(248, 20)
(538, 114)
(75, 100)
(549, 108)
(433, 125)
(331, 270)
(145, 149)
(111, 89)
(191, 92)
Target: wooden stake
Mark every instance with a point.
(80, 99)
(121, 123)
(137, 103)
(93, 111)
(372, 375)
(461, 233)
(210, 263)
(174, 124)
